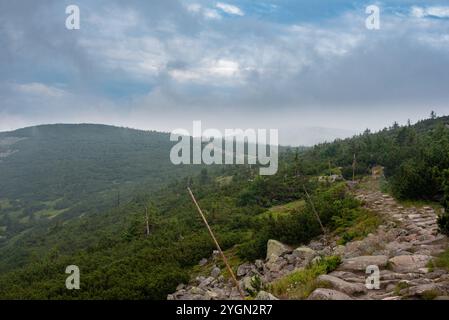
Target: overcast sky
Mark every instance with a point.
(308, 68)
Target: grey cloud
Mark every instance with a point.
(153, 64)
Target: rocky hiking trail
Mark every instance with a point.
(402, 247)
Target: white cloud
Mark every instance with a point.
(438, 12)
(194, 7)
(207, 13)
(211, 14)
(230, 9)
(418, 12)
(209, 70)
(39, 89)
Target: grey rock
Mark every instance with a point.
(328, 294)
(206, 282)
(215, 273)
(245, 269)
(276, 265)
(211, 295)
(304, 253)
(276, 249)
(180, 287)
(199, 279)
(259, 265)
(263, 295)
(290, 258)
(247, 283)
(197, 291)
(424, 289)
(360, 263)
(339, 250)
(343, 286)
(409, 263)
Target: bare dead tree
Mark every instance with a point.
(147, 221)
(353, 168)
(314, 209)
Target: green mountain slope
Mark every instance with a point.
(118, 260)
(53, 173)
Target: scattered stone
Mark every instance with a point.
(276, 249)
(405, 242)
(244, 269)
(180, 287)
(211, 295)
(247, 283)
(215, 273)
(263, 295)
(290, 258)
(275, 265)
(196, 290)
(328, 294)
(259, 265)
(206, 282)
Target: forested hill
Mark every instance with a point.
(51, 161)
(64, 170)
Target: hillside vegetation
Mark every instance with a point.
(119, 261)
(54, 173)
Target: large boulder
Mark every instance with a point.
(426, 290)
(360, 263)
(409, 263)
(304, 253)
(343, 286)
(328, 294)
(276, 249)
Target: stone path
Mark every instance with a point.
(401, 248)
